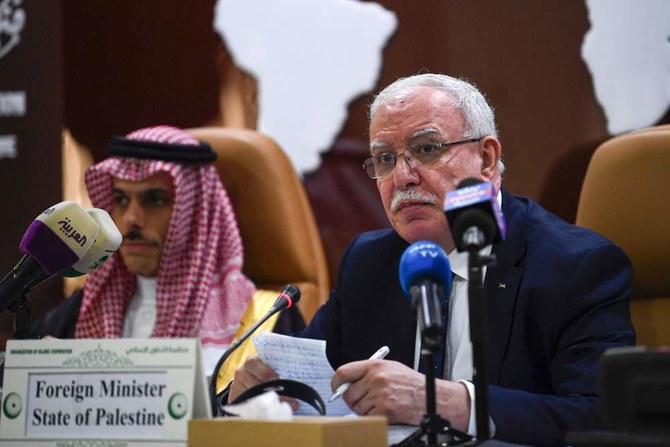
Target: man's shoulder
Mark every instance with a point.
(377, 237)
(382, 242)
(372, 247)
(60, 321)
(541, 229)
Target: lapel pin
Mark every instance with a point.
(502, 285)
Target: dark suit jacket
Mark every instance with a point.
(556, 299)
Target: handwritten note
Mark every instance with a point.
(303, 360)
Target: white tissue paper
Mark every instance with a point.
(264, 407)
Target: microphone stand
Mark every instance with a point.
(478, 326)
(21, 310)
(287, 298)
(13, 290)
(432, 424)
(216, 399)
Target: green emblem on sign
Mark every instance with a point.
(178, 406)
(12, 406)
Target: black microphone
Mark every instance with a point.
(286, 299)
(476, 221)
(474, 215)
(58, 238)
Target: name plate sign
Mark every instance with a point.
(110, 392)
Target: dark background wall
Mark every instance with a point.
(31, 182)
(127, 64)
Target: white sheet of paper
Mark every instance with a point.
(303, 360)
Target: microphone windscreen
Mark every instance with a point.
(474, 203)
(476, 217)
(293, 291)
(423, 260)
(59, 236)
(106, 243)
(287, 298)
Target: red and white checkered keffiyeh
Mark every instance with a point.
(201, 290)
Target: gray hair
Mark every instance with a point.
(468, 100)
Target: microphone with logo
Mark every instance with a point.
(425, 278)
(286, 299)
(57, 239)
(107, 242)
(476, 221)
(474, 215)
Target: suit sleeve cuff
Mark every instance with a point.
(472, 425)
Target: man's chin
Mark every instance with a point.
(146, 272)
(422, 231)
(139, 265)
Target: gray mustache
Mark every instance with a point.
(411, 195)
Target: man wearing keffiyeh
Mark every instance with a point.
(178, 272)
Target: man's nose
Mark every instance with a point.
(134, 215)
(404, 173)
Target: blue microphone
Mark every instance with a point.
(425, 278)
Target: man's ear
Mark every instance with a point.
(490, 157)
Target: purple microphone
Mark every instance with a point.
(58, 238)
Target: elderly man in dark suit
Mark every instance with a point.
(557, 297)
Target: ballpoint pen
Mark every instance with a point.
(380, 354)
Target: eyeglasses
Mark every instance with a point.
(425, 153)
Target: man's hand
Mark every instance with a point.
(391, 389)
(252, 372)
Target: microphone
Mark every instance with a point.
(425, 278)
(106, 243)
(58, 238)
(474, 215)
(286, 299)
(476, 221)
